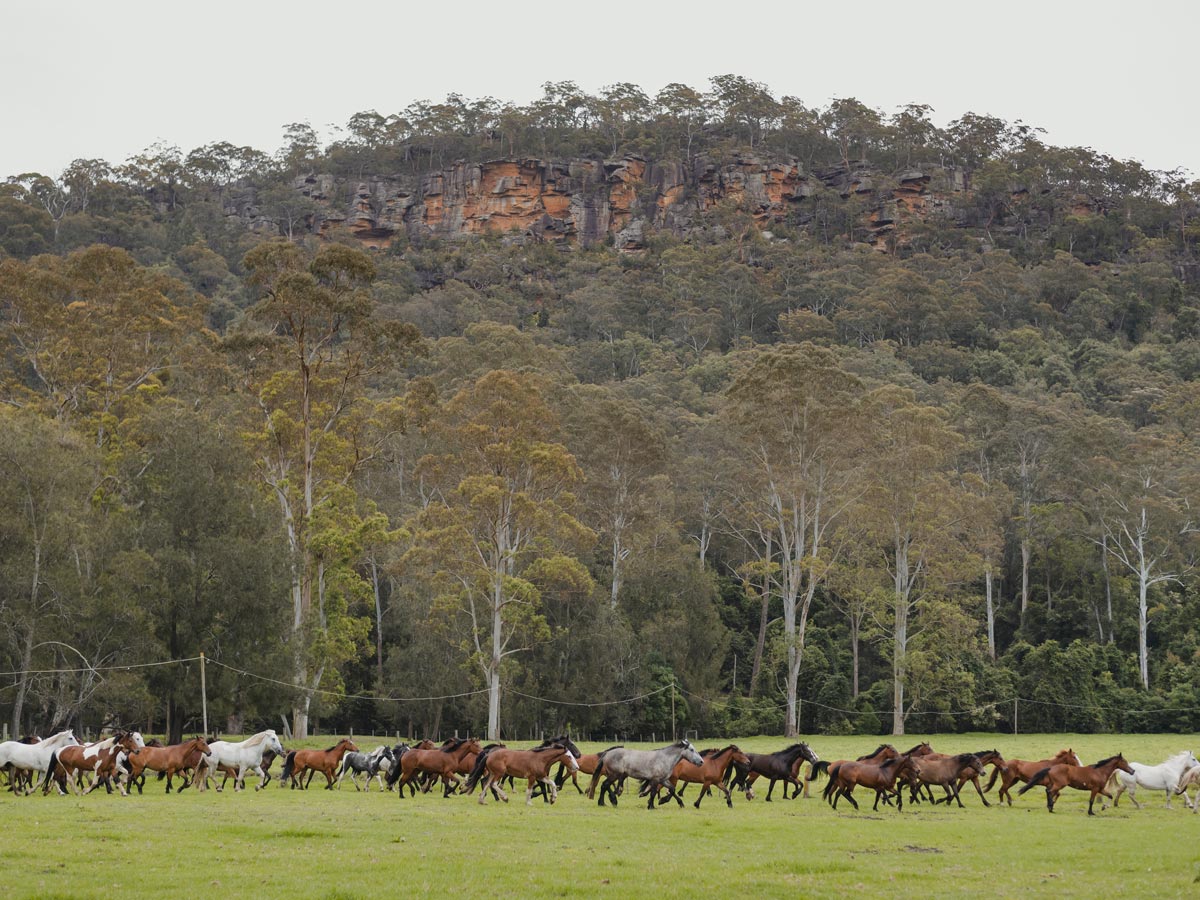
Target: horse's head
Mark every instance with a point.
(1190, 760)
(809, 753)
(201, 744)
(689, 753)
(1122, 765)
(349, 745)
(274, 745)
(737, 756)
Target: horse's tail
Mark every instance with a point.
(817, 769)
(288, 765)
(1036, 779)
(476, 772)
(833, 774)
(50, 767)
(992, 781)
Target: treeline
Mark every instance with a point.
(762, 469)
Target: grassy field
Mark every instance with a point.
(343, 844)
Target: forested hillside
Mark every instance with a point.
(766, 416)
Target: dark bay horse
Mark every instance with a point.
(1082, 778)
(1015, 770)
(777, 766)
(951, 772)
(313, 761)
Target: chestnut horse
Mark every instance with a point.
(713, 771)
(1082, 778)
(325, 761)
(1015, 770)
(533, 765)
(169, 761)
(442, 762)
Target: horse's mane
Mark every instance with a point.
(964, 757)
(893, 761)
(334, 747)
(452, 744)
(1105, 762)
(257, 739)
(916, 748)
(876, 751)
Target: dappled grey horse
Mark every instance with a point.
(652, 766)
(355, 763)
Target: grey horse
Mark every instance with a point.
(652, 766)
(354, 763)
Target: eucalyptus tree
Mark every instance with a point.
(796, 416)
(309, 350)
(916, 516)
(504, 526)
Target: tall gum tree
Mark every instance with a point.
(313, 343)
(796, 414)
(916, 516)
(1148, 523)
(505, 522)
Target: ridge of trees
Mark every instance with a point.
(809, 485)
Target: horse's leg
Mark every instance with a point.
(847, 792)
(770, 788)
(975, 781)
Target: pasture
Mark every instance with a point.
(335, 844)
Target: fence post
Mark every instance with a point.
(204, 695)
(1015, 702)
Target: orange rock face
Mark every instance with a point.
(618, 201)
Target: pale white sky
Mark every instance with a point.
(81, 78)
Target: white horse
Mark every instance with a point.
(1163, 777)
(1189, 778)
(244, 756)
(34, 757)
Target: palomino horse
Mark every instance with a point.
(1082, 778)
(1163, 777)
(357, 763)
(652, 766)
(313, 761)
(32, 757)
(880, 777)
(713, 772)
(778, 766)
(1190, 777)
(68, 765)
(442, 762)
(168, 761)
(533, 765)
(1015, 770)
(241, 756)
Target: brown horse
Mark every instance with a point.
(713, 772)
(881, 778)
(1082, 778)
(533, 765)
(313, 761)
(442, 762)
(170, 760)
(948, 771)
(1015, 770)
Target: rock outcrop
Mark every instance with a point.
(620, 201)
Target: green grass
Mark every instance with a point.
(343, 844)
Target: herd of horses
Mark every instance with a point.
(463, 765)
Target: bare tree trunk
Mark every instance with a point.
(22, 682)
(1025, 552)
(855, 626)
(1143, 650)
(1107, 585)
(763, 618)
(991, 614)
(378, 625)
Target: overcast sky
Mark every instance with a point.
(88, 79)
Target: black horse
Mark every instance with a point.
(777, 766)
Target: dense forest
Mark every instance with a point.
(768, 471)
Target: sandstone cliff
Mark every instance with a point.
(622, 201)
